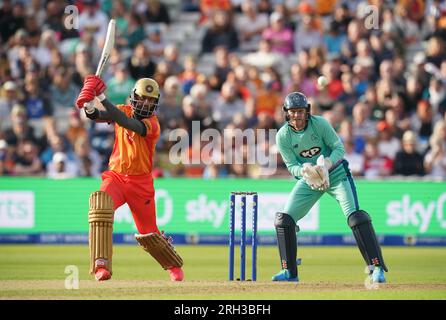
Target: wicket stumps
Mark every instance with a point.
(243, 197)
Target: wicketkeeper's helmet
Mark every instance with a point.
(296, 100)
(145, 88)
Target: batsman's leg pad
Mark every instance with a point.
(160, 249)
(286, 240)
(100, 218)
(364, 233)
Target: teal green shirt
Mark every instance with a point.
(118, 92)
(299, 147)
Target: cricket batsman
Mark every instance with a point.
(129, 178)
(313, 154)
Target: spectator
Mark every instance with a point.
(379, 50)
(63, 93)
(208, 7)
(171, 55)
(362, 127)
(133, 34)
(422, 122)
(39, 108)
(221, 68)
(83, 64)
(6, 159)
(189, 76)
(203, 100)
(334, 39)
(267, 100)
(334, 85)
(220, 33)
(119, 11)
(354, 34)
(250, 26)
(20, 128)
(170, 105)
(263, 57)
(8, 98)
(436, 95)
(26, 159)
(155, 43)
(92, 20)
(349, 95)
(119, 86)
(12, 18)
(87, 159)
(406, 27)
(375, 166)
(47, 44)
(300, 82)
(60, 167)
(227, 105)
(342, 16)
(435, 159)
(162, 72)
(54, 10)
(57, 143)
(435, 51)
(76, 129)
(408, 161)
(414, 91)
(157, 12)
(355, 160)
(140, 64)
(388, 145)
(307, 35)
(281, 38)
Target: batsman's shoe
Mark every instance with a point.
(378, 275)
(284, 275)
(176, 274)
(102, 274)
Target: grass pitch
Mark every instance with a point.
(38, 272)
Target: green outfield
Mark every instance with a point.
(38, 272)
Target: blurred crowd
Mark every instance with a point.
(384, 61)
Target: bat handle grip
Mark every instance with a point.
(89, 106)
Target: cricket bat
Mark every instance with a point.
(106, 51)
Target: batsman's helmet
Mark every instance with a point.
(144, 97)
(295, 100)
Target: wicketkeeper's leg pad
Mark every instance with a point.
(364, 233)
(287, 242)
(100, 218)
(160, 249)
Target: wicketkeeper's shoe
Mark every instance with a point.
(378, 275)
(102, 274)
(176, 274)
(284, 275)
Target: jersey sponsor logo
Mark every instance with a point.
(310, 153)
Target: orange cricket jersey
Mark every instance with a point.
(133, 154)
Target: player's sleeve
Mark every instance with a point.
(152, 127)
(98, 115)
(332, 141)
(121, 118)
(289, 158)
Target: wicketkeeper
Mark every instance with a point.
(313, 154)
(129, 178)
